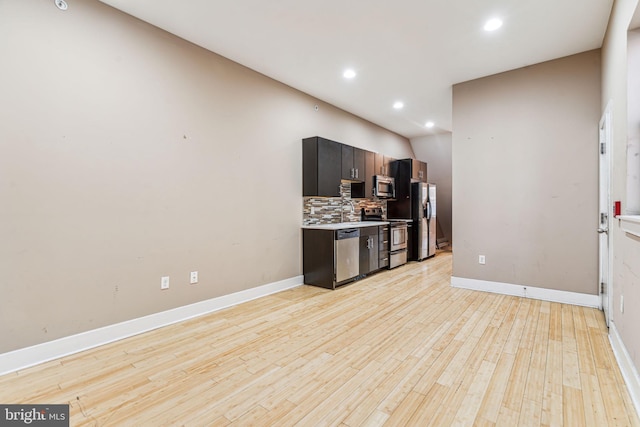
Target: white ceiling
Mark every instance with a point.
(408, 50)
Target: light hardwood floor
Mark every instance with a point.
(401, 348)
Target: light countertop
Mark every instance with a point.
(343, 225)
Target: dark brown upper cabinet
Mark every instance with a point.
(418, 170)
(321, 167)
(370, 171)
(383, 164)
(353, 163)
(325, 163)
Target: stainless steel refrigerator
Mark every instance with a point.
(424, 214)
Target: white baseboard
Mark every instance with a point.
(34, 355)
(628, 369)
(552, 295)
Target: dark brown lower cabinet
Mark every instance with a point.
(369, 252)
(320, 251)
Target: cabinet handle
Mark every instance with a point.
(356, 173)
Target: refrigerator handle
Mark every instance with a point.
(427, 213)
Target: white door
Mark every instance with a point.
(604, 212)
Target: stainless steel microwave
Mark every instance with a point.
(384, 187)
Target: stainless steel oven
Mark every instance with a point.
(398, 237)
(393, 246)
(398, 232)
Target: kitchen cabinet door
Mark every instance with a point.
(369, 250)
(382, 165)
(423, 172)
(347, 162)
(388, 161)
(369, 172)
(353, 163)
(378, 164)
(359, 163)
(419, 170)
(414, 169)
(321, 167)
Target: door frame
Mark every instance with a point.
(604, 207)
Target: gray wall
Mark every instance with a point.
(127, 154)
(625, 248)
(525, 175)
(436, 151)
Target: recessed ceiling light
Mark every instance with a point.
(349, 74)
(493, 24)
(398, 105)
(429, 124)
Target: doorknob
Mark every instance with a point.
(603, 230)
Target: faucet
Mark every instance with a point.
(353, 208)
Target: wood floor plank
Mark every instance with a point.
(531, 413)
(519, 323)
(617, 414)
(594, 411)
(555, 322)
(514, 394)
(434, 399)
(504, 329)
(401, 347)
(401, 416)
(573, 410)
(496, 388)
(552, 399)
(585, 354)
(470, 406)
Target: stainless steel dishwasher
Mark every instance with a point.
(347, 253)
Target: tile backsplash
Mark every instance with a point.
(331, 210)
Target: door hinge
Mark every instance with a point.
(603, 148)
(601, 287)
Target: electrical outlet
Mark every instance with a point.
(481, 259)
(193, 279)
(621, 303)
(164, 282)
